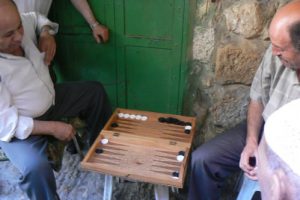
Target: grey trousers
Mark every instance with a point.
(87, 100)
(214, 161)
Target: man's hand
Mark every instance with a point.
(47, 44)
(254, 124)
(63, 131)
(100, 33)
(248, 152)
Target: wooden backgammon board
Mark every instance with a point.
(144, 146)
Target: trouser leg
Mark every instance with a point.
(30, 158)
(88, 100)
(214, 161)
(85, 99)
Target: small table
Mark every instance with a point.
(143, 146)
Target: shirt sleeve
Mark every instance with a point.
(12, 124)
(256, 89)
(44, 21)
(261, 84)
(39, 21)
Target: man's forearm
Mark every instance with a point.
(254, 121)
(43, 127)
(59, 130)
(84, 8)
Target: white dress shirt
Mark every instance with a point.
(41, 6)
(26, 89)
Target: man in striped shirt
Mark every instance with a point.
(276, 83)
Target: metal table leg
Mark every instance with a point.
(108, 185)
(161, 192)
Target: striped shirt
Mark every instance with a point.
(274, 85)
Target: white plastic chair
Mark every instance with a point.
(249, 187)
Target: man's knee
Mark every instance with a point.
(97, 91)
(37, 167)
(201, 156)
(96, 87)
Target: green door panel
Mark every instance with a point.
(147, 80)
(75, 64)
(143, 66)
(149, 52)
(149, 19)
(78, 56)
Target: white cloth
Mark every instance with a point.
(282, 134)
(41, 6)
(26, 89)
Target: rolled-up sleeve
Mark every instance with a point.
(12, 124)
(44, 21)
(38, 21)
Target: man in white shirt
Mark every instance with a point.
(278, 154)
(31, 106)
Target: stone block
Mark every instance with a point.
(230, 108)
(237, 63)
(203, 43)
(246, 19)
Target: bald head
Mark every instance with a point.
(4, 3)
(288, 13)
(11, 29)
(284, 32)
(8, 10)
(286, 22)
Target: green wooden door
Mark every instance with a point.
(143, 65)
(149, 53)
(78, 56)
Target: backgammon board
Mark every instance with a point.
(144, 146)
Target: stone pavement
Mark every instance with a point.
(72, 182)
(75, 184)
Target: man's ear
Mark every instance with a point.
(278, 185)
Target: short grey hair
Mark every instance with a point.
(294, 31)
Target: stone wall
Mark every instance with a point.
(230, 38)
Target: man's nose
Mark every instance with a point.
(18, 36)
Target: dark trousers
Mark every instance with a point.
(214, 161)
(85, 99)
